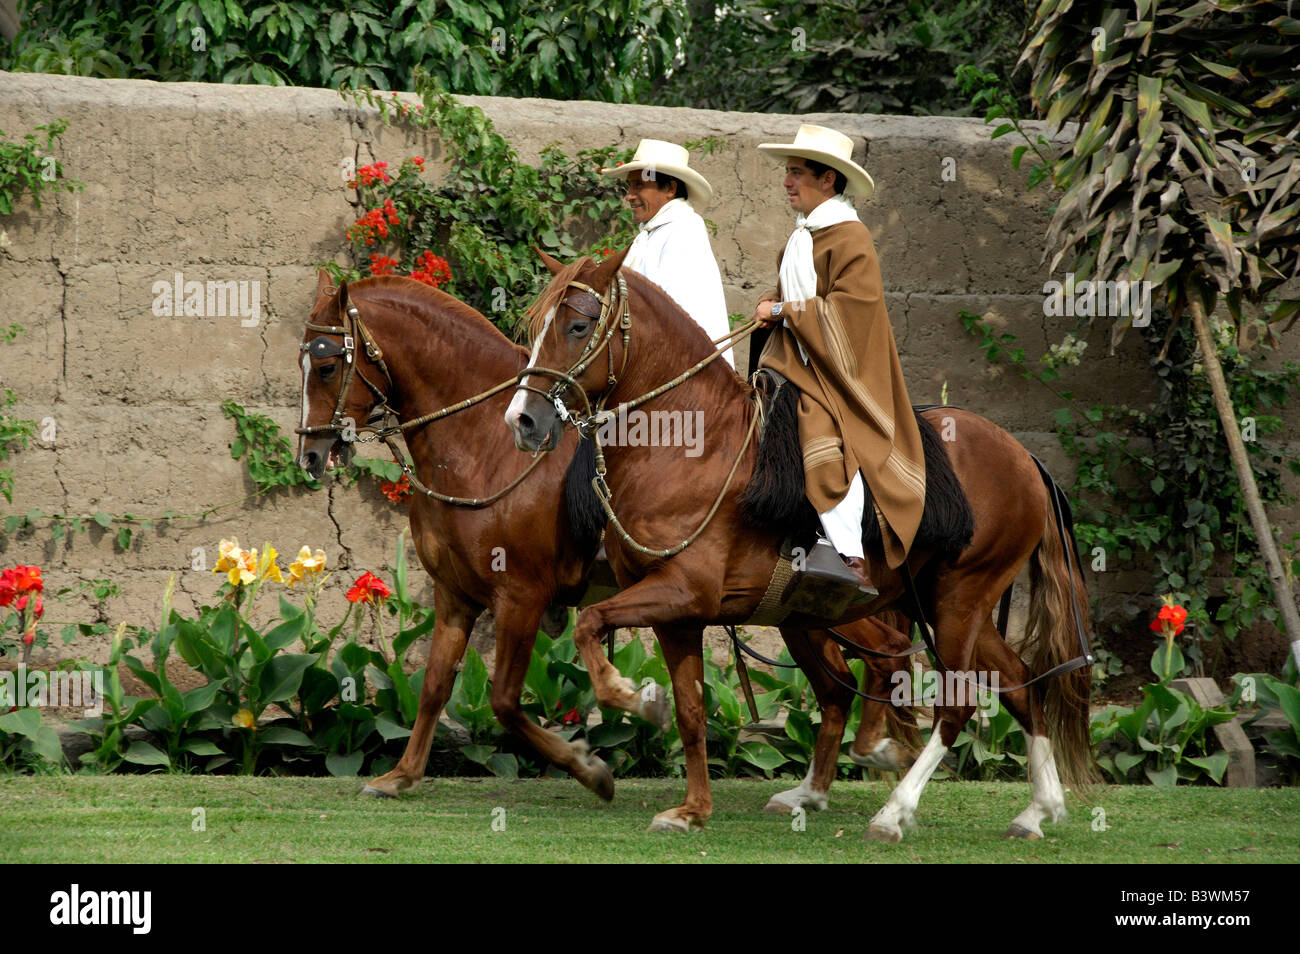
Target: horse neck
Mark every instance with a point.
(437, 356)
(715, 389)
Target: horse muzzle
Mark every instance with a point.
(534, 423)
(324, 453)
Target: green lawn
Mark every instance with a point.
(69, 819)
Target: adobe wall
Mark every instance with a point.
(243, 183)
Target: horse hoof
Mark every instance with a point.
(667, 822)
(888, 756)
(591, 771)
(603, 782)
(1020, 831)
(808, 801)
(376, 792)
(887, 836)
(655, 708)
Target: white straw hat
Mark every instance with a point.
(830, 148)
(656, 156)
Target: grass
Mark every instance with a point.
(151, 818)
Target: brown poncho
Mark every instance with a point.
(854, 413)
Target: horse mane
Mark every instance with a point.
(682, 324)
(551, 295)
(412, 298)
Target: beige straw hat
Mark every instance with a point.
(654, 156)
(830, 148)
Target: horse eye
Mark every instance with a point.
(579, 329)
(326, 371)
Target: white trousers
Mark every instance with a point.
(843, 522)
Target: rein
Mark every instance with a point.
(617, 300)
(351, 329)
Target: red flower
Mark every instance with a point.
(431, 269)
(369, 175)
(29, 578)
(370, 225)
(369, 589)
(1175, 617)
(419, 162)
(570, 717)
(382, 265)
(390, 211)
(396, 491)
(16, 581)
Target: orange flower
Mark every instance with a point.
(396, 491)
(1170, 620)
(369, 589)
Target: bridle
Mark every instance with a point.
(322, 347)
(352, 329)
(600, 308)
(592, 304)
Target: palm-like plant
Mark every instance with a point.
(1185, 170)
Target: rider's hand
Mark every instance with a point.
(764, 313)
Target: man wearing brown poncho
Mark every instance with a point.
(832, 339)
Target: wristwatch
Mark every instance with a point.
(776, 309)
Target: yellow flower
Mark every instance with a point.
(306, 565)
(243, 719)
(267, 568)
(238, 565)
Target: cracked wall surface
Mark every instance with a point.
(236, 183)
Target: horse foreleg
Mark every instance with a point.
(516, 634)
(899, 811)
(812, 650)
(450, 634)
(684, 652)
(871, 747)
(651, 601)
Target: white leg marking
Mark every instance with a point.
(897, 812)
(1048, 802)
(801, 797)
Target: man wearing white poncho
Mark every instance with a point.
(672, 248)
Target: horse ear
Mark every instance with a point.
(553, 265)
(324, 284)
(610, 266)
(343, 297)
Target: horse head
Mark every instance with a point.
(342, 384)
(578, 342)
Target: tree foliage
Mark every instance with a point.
(582, 49)
(1186, 170)
(877, 56)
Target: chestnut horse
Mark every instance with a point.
(437, 351)
(661, 496)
